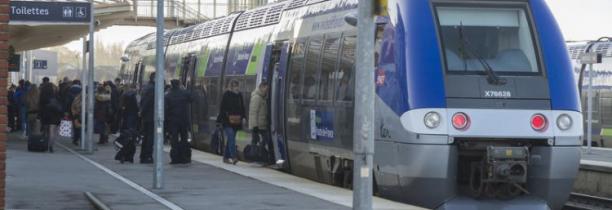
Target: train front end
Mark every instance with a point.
(492, 115)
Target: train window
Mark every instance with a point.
(328, 68)
(344, 90)
(313, 57)
(475, 39)
(297, 64)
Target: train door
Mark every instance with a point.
(278, 64)
(187, 80)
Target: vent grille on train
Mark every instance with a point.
(262, 16)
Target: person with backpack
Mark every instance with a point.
(177, 117)
(231, 118)
(51, 111)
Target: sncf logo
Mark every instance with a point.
(498, 94)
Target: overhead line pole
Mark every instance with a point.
(83, 93)
(90, 82)
(158, 177)
(363, 127)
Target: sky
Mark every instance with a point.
(579, 20)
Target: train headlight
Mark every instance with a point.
(432, 120)
(564, 122)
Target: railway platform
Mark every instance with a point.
(59, 180)
(595, 175)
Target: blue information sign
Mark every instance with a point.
(45, 11)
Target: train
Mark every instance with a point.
(476, 102)
(602, 88)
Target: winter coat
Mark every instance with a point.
(258, 110)
(50, 108)
(75, 111)
(177, 107)
(73, 92)
(102, 111)
(129, 110)
(231, 104)
(102, 108)
(147, 103)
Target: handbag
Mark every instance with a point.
(65, 128)
(235, 119)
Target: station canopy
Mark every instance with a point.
(39, 24)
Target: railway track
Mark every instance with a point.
(578, 201)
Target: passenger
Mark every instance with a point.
(75, 110)
(32, 100)
(12, 108)
(102, 113)
(146, 114)
(50, 111)
(20, 106)
(73, 92)
(129, 109)
(258, 119)
(115, 106)
(231, 116)
(177, 115)
(64, 89)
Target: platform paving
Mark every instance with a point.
(58, 180)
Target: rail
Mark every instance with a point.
(578, 201)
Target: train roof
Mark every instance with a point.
(258, 17)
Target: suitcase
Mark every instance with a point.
(37, 143)
(126, 146)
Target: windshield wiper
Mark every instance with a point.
(492, 78)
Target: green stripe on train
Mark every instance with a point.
(256, 57)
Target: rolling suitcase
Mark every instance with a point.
(37, 143)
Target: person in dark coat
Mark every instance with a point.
(12, 108)
(231, 117)
(102, 113)
(115, 105)
(177, 116)
(19, 96)
(146, 113)
(51, 111)
(129, 109)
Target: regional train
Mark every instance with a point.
(476, 102)
(602, 88)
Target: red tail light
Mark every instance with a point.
(460, 121)
(539, 122)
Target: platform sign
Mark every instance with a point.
(14, 61)
(46, 11)
(39, 64)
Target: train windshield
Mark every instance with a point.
(481, 39)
